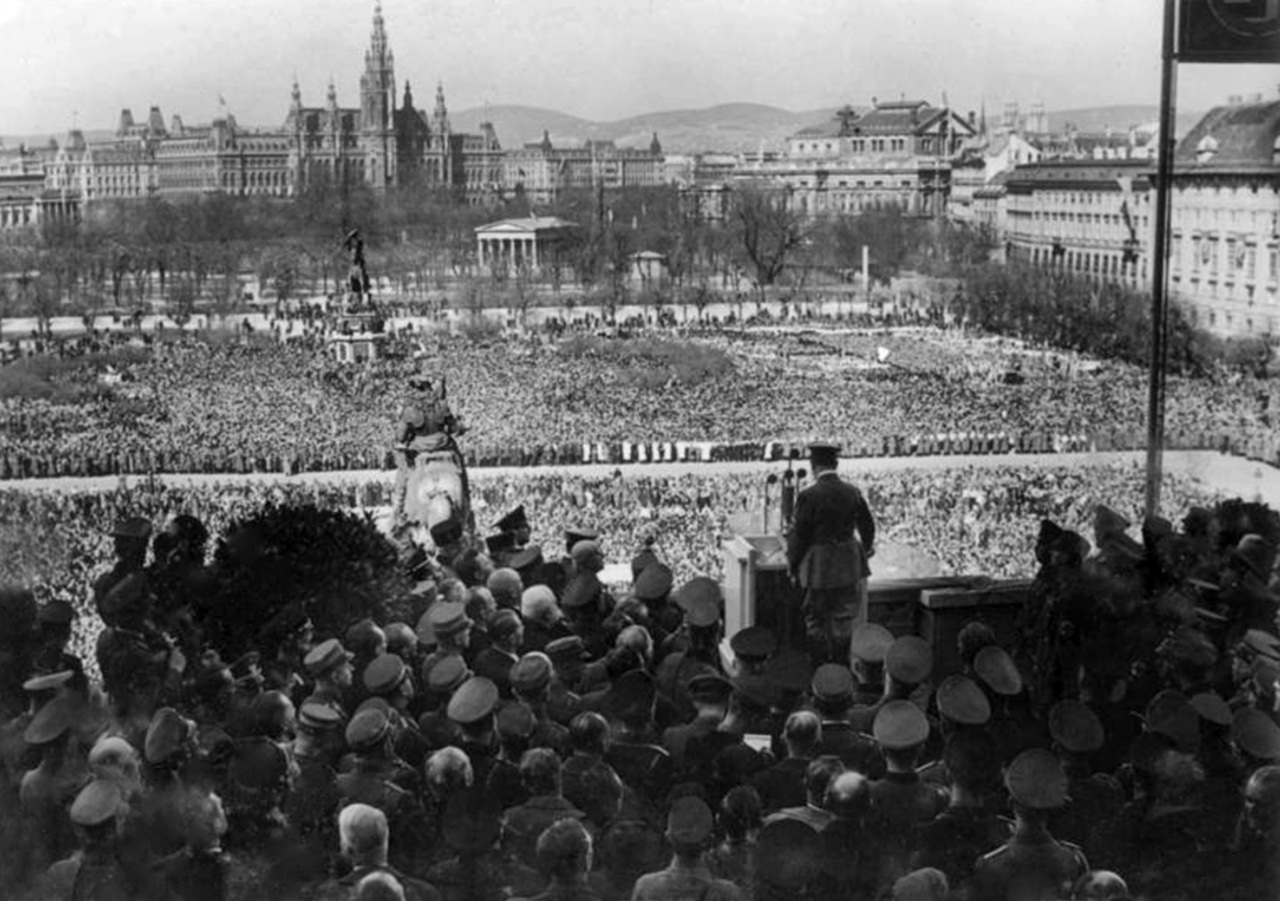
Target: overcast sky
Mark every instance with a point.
(600, 59)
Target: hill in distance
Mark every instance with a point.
(728, 127)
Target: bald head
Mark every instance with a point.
(363, 833)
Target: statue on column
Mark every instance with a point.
(357, 274)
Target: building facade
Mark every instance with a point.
(1083, 217)
(898, 156)
(1224, 242)
(541, 171)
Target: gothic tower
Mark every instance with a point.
(377, 107)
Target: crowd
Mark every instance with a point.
(191, 405)
(518, 729)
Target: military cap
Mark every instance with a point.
(900, 724)
(824, 454)
(474, 700)
(870, 642)
(516, 720)
(753, 643)
(709, 688)
(654, 583)
(699, 598)
(996, 668)
(1108, 522)
(1075, 727)
(132, 527)
(366, 729)
(325, 657)
(1190, 646)
(1256, 642)
(375, 703)
(385, 673)
(640, 561)
(531, 673)
(497, 544)
(51, 721)
(570, 647)
(316, 717)
(633, 692)
(909, 660)
(1210, 706)
(448, 617)
(690, 821)
(259, 763)
(56, 613)
(48, 681)
(526, 559)
(574, 534)
(446, 674)
(583, 590)
(98, 803)
(832, 682)
(167, 734)
(787, 856)
(503, 623)
(516, 519)
(471, 823)
(1256, 734)
(1252, 551)
(1037, 780)
(962, 701)
(583, 551)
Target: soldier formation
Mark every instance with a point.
(532, 734)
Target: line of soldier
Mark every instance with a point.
(527, 739)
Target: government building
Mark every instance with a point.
(379, 144)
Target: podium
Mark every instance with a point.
(758, 591)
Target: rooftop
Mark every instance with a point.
(1242, 136)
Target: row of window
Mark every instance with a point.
(1230, 255)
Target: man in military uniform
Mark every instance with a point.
(131, 537)
(901, 803)
(447, 626)
(689, 832)
(1033, 864)
(329, 665)
(827, 559)
(832, 690)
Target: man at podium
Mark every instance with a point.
(832, 537)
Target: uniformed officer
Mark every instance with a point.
(472, 709)
(568, 659)
(709, 694)
(827, 559)
(969, 826)
(900, 801)
(447, 626)
(699, 599)
(1092, 797)
(96, 870)
(329, 666)
(867, 648)
(131, 537)
(514, 723)
(1032, 864)
(531, 679)
(506, 637)
(643, 765)
(832, 691)
(689, 832)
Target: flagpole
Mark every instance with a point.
(1159, 300)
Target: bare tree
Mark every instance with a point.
(768, 230)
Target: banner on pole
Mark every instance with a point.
(1229, 31)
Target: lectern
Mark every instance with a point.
(758, 591)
